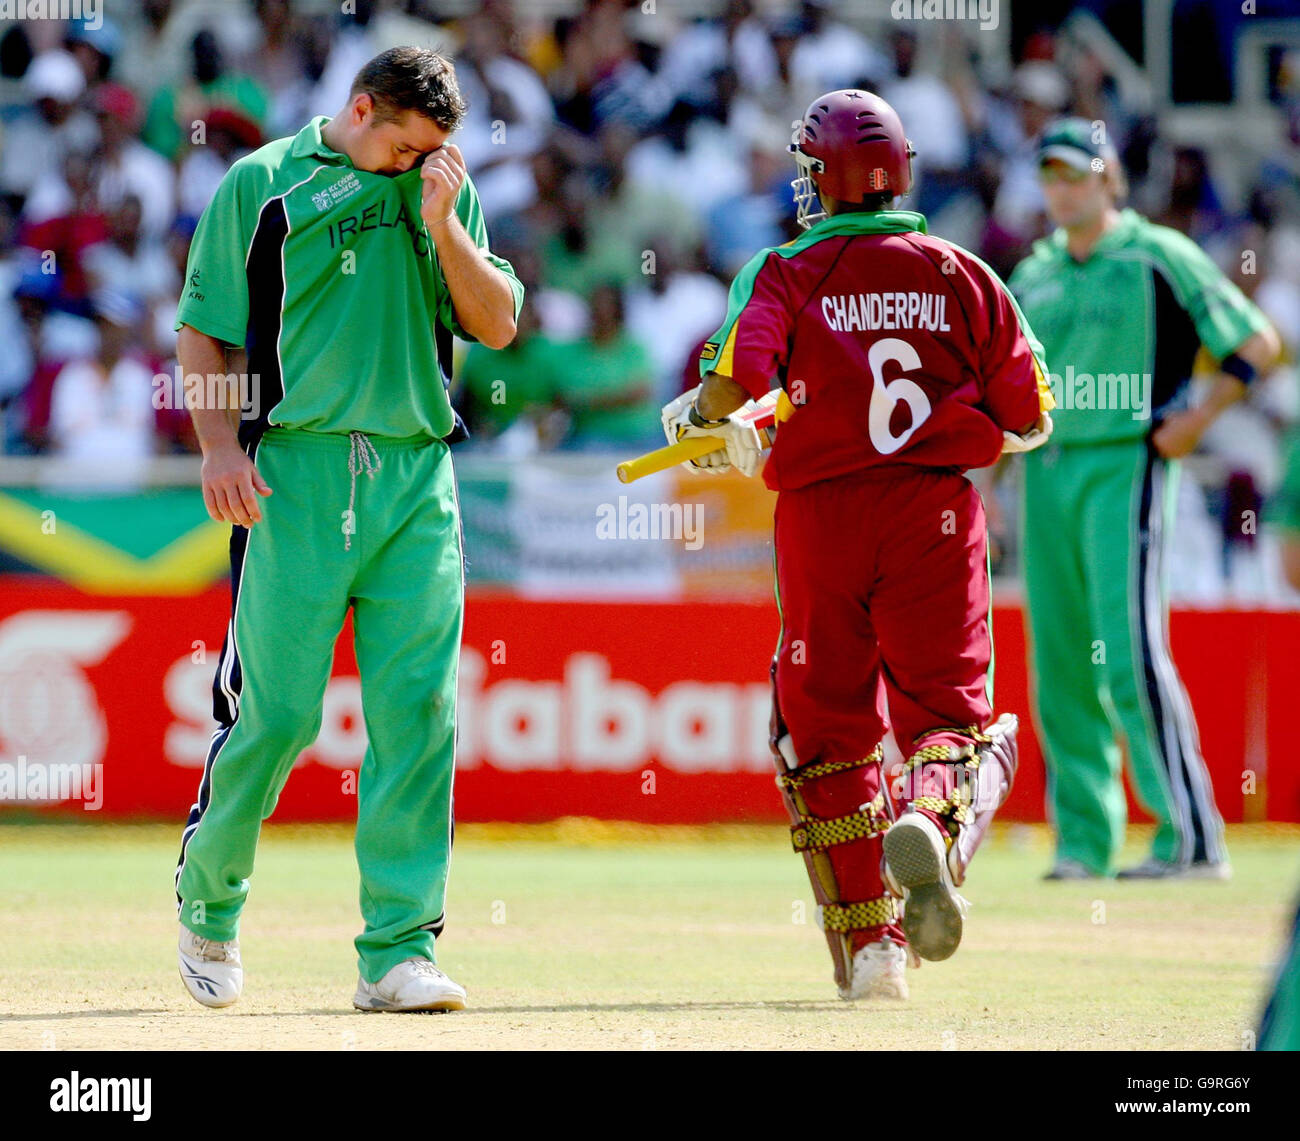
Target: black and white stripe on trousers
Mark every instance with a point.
(1199, 825)
(227, 685)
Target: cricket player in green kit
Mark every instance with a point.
(1122, 307)
(344, 259)
(1279, 1027)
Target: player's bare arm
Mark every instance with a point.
(719, 396)
(484, 302)
(1181, 431)
(707, 410)
(231, 482)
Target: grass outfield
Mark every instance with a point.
(583, 935)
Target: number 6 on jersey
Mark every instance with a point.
(886, 397)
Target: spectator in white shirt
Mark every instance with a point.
(738, 40)
(1041, 93)
(694, 158)
(636, 212)
(129, 168)
(755, 217)
(830, 54)
(931, 111)
(36, 142)
(101, 413)
(131, 263)
(677, 307)
(231, 135)
(510, 115)
(156, 50)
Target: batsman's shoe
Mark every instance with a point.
(211, 971)
(878, 972)
(916, 867)
(1153, 869)
(1071, 870)
(413, 985)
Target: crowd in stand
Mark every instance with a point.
(628, 163)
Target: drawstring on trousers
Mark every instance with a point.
(362, 457)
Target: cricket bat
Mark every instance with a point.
(775, 408)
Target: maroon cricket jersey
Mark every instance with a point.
(894, 347)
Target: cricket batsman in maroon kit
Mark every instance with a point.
(904, 361)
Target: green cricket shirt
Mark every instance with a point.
(504, 385)
(595, 372)
(327, 275)
(1122, 329)
(1284, 510)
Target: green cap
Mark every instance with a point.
(1076, 143)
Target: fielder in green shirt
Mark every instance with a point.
(497, 388)
(343, 260)
(1284, 510)
(607, 384)
(1280, 1023)
(1122, 307)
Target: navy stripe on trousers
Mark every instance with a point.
(227, 685)
(1178, 742)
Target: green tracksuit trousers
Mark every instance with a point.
(370, 523)
(1095, 522)
(1280, 1025)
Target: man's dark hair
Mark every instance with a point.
(869, 204)
(412, 79)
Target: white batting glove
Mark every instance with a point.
(744, 447)
(1036, 437)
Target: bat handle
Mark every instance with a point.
(664, 458)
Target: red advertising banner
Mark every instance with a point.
(648, 711)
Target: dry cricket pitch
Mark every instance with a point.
(580, 935)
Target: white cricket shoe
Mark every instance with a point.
(211, 971)
(916, 867)
(1210, 870)
(415, 984)
(878, 972)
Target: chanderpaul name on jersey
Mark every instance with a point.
(845, 312)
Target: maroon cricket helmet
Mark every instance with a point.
(849, 144)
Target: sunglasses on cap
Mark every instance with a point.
(1056, 171)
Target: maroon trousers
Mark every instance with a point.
(882, 582)
(882, 578)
